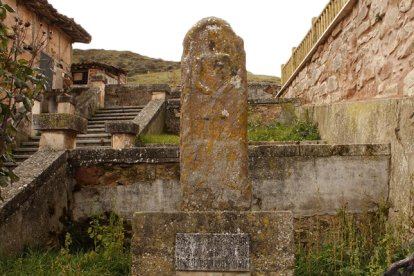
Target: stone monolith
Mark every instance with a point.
(213, 148)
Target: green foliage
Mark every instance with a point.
(352, 245)
(299, 131)
(158, 139)
(108, 258)
(20, 82)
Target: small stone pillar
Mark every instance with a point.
(37, 105)
(66, 104)
(123, 134)
(99, 82)
(58, 130)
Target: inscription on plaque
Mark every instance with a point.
(212, 252)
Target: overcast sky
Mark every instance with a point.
(156, 28)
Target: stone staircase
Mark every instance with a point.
(96, 135)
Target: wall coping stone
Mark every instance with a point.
(170, 153)
(148, 113)
(59, 121)
(33, 173)
(274, 101)
(84, 156)
(121, 127)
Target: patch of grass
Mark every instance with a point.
(262, 78)
(158, 139)
(301, 130)
(352, 245)
(108, 256)
(172, 78)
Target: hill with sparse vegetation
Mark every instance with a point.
(145, 70)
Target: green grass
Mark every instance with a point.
(158, 139)
(61, 263)
(351, 244)
(299, 131)
(108, 255)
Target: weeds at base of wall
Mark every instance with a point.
(349, 244)
(108, 255)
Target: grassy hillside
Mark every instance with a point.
(145, 70)
(129, 61)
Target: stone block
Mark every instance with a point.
(122, 140)
(121, 127)
(59, 121)
(271, 239)
(57, 140)
(159, 95)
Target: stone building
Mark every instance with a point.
(86, 72)
(56, 58)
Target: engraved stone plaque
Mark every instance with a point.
(212, 252)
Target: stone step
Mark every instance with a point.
(94, 146)
(11, 165)
(36, 138)
(30, 144)
(122, 107)
(93, 135)
(96, 130)
(25, 150)
(129, 113)
(111, 118)
(93, 141)
(21, 157)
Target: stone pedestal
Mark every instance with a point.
(58, 130)
(271, 246)
(66, 104)
(123, 134)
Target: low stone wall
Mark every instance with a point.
(375, 121)
(151, 119)
(35, 208)
(307, 179)
(262, 90)
(271, 111)
(369, 54)
(132, 95)
(266, 111)
(172, 116)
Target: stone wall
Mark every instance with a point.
(35, 208)
(375, 121)
(266, 111)
(131, 95)
(370, 54)
(307, 179)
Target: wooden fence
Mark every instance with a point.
(320, 25)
